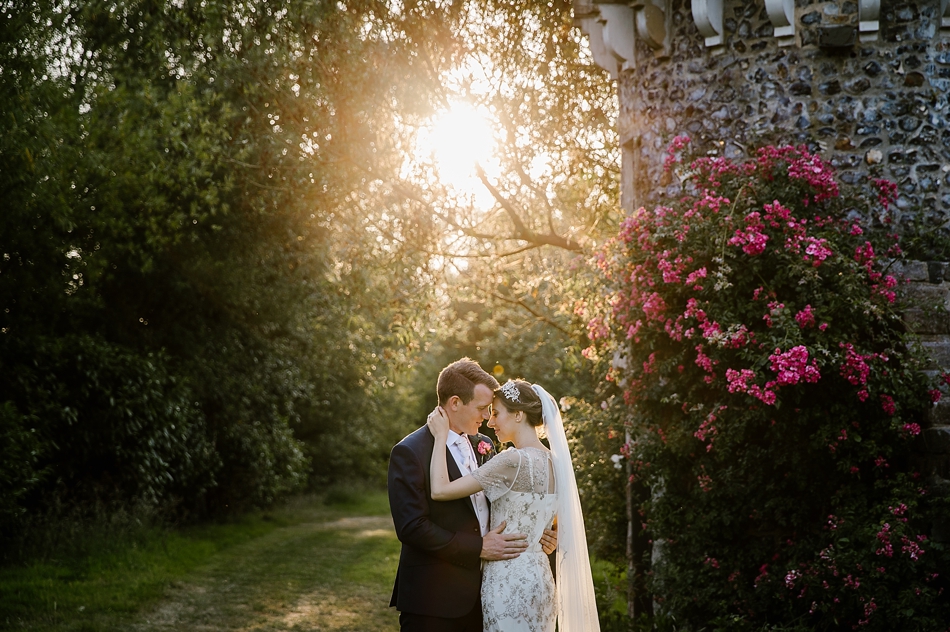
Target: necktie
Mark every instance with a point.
(479, 501)
(465, 449)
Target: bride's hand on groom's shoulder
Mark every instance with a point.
(438, 423)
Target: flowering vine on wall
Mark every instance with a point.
(753, 327)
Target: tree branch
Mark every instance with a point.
(410, 195)
(531, 311)
(521, 231)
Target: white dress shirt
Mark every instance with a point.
(464, 456)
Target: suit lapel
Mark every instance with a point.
(454, 471)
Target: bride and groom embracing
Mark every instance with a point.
(476, 527)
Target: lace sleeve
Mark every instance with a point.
(499, 474)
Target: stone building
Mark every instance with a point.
(868, 81)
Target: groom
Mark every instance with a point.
(438, 580)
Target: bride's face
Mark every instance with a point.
(502, 421)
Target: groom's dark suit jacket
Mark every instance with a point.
(439, 572)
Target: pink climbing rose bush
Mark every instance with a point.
(751, 323)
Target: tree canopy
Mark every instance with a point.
(225, 259)
(188, 307)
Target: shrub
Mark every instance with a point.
(91, 420)
(595, 437)
(92, 423)
(753, 328)
(20, 471)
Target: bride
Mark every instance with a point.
(528, 486)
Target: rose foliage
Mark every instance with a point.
(755, 333)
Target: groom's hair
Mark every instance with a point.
(460, 378)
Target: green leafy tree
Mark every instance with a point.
(183, 255)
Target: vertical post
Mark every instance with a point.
(631, 536)
(639, 601)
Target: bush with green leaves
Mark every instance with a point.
(753, 327)
(20, 470)
(93, 420)
(194, 306)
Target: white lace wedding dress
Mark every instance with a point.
(519, 595)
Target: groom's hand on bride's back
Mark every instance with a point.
(503, 546)
(549, 540)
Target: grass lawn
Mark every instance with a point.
(308, 565)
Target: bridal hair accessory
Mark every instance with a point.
(511, 392)
(576, 605)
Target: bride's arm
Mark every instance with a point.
(442, 487)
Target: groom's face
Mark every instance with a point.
(467, 418)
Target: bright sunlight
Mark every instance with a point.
(457, 140)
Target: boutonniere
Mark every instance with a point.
(484, 448)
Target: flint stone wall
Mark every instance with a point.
(928, 286)
(877, 108)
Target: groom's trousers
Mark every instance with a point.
(472, 622)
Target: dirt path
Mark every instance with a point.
(329, 576)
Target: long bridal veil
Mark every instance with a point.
(576, 607)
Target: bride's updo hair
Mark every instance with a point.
(517, 395)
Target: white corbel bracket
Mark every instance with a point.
(594, 29)
(653, 24)
(782, 16)
(707, 14)
(617, 22)
(869, 13)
